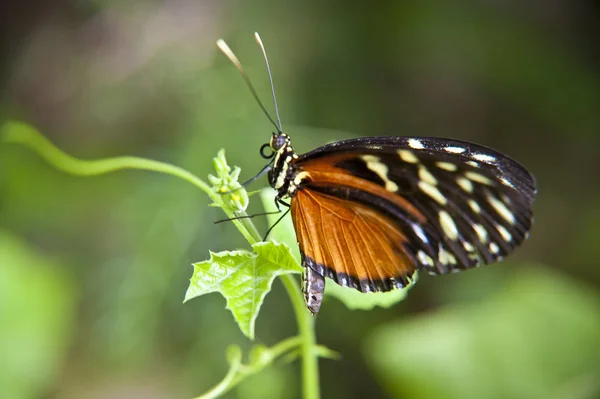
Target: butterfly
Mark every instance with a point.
(370, 212)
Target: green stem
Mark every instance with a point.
(305, 321)
(227, 382)
(274, 352)
(239, 372)
(310, 360)
(13, 132)
(306, 329)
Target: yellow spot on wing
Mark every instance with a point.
(481, 233)
(494, 248)
(381, 169)
(504, 233)
(465, 184)
(425, 259)
(446, 257)
(426, 176)
(501, 209)
(474, 206)
(450, 167)
(408, 156)
(448, 225)
(476, 177)
(433, 192)
(301, 176)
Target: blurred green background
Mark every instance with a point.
(93, 270)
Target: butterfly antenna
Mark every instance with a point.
(262, 48)
(236, 62)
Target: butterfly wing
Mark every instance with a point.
(349, 242)
(433, 204)
(330, 230)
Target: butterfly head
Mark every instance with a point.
(278, 141)
(282, 172)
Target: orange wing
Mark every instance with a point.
(350, 243)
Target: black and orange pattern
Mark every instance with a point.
(369, 212)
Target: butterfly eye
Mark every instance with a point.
(278, 141)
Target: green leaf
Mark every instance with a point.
(536, 337)
(351, 298)
(277, 255)
(243, 278)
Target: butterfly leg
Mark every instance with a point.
(277, 203)
(264, 170)
(259, 174)
(313, 287)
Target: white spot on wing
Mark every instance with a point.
(484, 157)
(415, 144)
(420, 233)
(408, 156)
(448, 225)
(454, 150)
(506, 182)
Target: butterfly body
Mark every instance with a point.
(370, 212)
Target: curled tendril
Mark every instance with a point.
(265, 155)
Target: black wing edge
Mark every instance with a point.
(505, 166)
